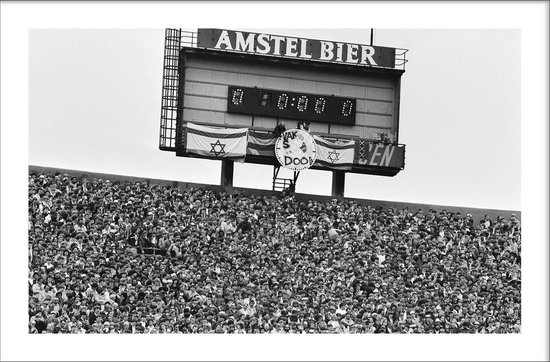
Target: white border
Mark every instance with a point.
(531, 18)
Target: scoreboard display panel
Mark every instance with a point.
(291, 105)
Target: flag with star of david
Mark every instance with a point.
(337, 155)
(216, 142)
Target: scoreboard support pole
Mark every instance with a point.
(227, 173)
(338, 181)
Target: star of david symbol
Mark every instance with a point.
(217, 148)
(333, 156)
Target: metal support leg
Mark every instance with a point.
(227, 173)
(338, 181)
(296, 174)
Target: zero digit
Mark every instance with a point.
(347, 108)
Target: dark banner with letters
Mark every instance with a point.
(287, 46)
(379, 154)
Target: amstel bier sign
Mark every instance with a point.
(286, 46)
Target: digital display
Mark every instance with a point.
(283, 104)
(237, 96)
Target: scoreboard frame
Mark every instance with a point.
(333, 69)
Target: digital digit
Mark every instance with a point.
(237, 98)
(302, 104)
(265, 99)
(282, 102)
(347, 107)
(320, 105)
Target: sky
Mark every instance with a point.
(95, 98)
(90, 99)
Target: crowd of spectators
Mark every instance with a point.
(116, 257)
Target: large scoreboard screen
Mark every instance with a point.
(291, 105)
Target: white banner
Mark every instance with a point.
(217, 142)
(336, 155)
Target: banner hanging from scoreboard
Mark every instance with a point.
(301, 48)
(296, 150)
(216, 142)
(261, 144)
(334, 155)
(379, 154)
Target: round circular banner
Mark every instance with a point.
(296, 150)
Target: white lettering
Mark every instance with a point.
(224, 40)
(277, 44)
(263, 41)
(291, 47)
(244, 44)
(374, 154)
(352, 53)
(386, 157)
(303, 49)
(326, 50)
(339, 52)
(366, 53)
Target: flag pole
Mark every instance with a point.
(371, 35)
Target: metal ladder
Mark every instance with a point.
(170, 85)
(284, 184)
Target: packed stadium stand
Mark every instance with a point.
(120, 255)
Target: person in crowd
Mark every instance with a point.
(279, 129)
(236, 263)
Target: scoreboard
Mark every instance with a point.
(285, 104)
(345, 94)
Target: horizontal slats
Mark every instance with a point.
(329, 88)
(205, 98)
(263, 122)
(206, 103)
(305, 86)
(372, 120)
(262, 81)
(206, 89)
(195, 115)
(278, 70)
(361, 131)
(380, 93)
